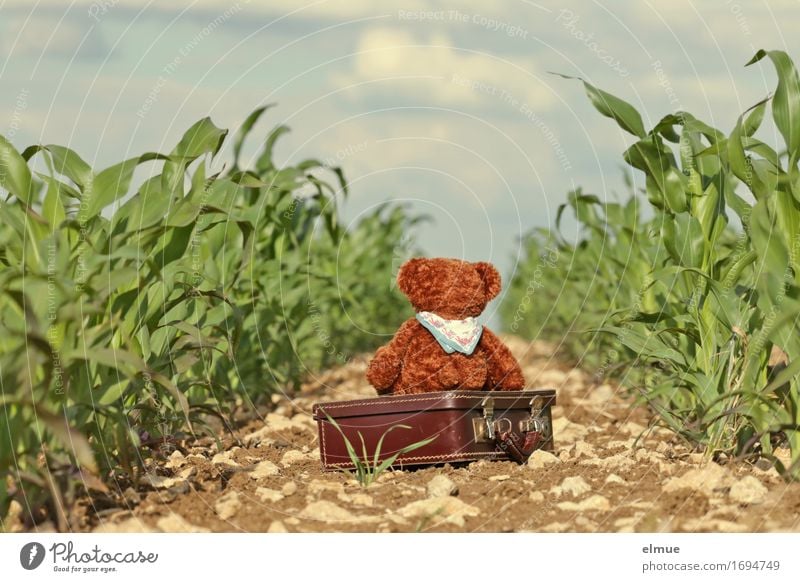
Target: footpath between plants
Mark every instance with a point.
(610, 473)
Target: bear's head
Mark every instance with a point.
(450, 288)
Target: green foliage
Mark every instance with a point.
(700, 310)
(368, 468)
(127, 318)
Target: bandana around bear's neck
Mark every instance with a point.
(454, 335)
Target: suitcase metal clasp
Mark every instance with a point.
(538, 421)
(483, 428)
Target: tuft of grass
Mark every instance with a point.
(367, 468)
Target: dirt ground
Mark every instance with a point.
(610, 473)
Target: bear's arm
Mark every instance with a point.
(503, 371)
(384, 368)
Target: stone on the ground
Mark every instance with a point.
(130, 525)
(228, 505)
(267, 495)
(318, 486)
(441, 486)
(264, 469)
(568, 432)
(361, 499)
(748, 490)
(293, 456)
(327, 512)
(540, 459)
(593, 503)
(176, 460)
(499, 477)
(289, 488)
(583, 449)
(436, 509)
(159, 482)
(224, 458)
(706, 480)
(277, 527)
(632, 428)
(620, 461)
(575, 486)
(174, 523)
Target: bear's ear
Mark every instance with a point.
(409, 274)
(491, 279)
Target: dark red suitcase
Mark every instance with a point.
(465, 425)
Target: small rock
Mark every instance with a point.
(317, 486)
(159, 482)
(228, 505)
(289, 488)
(277, 527)
(706, 480)
(441, 486)
(224, 459)
(575, 486)
(130, 496)
(614, 478)
(583, 449)
(567, 432)
(259, 438)
(697, 458)
(748, 490)
(326, 511)
(174, 523)
(632, 428)
(277, 422)
(704, 524)
(188, 473)
(540, 459)
(593, 503)
(130, 525)
(176, 460)
(499, 477)
(619, 461)
(264, 469)
(448, 509)
(536, 496)
(620, 444)
(269, 495)
(293, 456)
(361, 499)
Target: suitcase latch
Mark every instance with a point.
(484, 427)
(538, 421)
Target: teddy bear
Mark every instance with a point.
(444, 347)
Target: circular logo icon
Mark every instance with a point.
(31, 555)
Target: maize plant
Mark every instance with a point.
(129, 319)
(718, 314)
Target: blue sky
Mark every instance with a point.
(448, 106)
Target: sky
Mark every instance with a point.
(449, 107)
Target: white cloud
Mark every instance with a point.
(392, 60)
(63, 38)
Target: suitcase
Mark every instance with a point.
(436, 427)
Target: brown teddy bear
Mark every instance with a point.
(443, 347)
